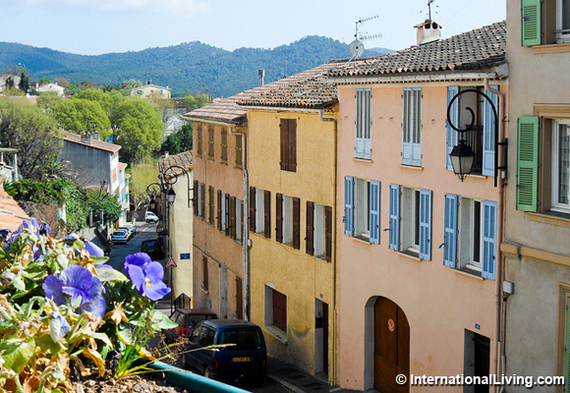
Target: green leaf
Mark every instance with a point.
(62, 261)
(19, 284)
(106, 275)
(17, 353)
(100, 260)
(161, 321)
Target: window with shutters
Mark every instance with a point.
(239, 151)
(224, 146)
(200, 191)
(470, 235)
(287, 220)
(543, 161)
(205, 284)
(238, 220)
(545, 22)
(288, 130)
(211, 142)
(275, 309)
(211, 205)
(260, 212)
(224, 212)
(412, 126)
(481, 137)
(363, 122)
(199, 140)
(411, 221)
(362, 209)
(317, 231)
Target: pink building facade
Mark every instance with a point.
(419, 265)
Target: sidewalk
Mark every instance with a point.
(297, 381)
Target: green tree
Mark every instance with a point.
(109, 101)
(31, 131)
(103, 201)
(143, 173)
(179, 141)
(195, 100)
(138, 128)
(125, 87)
(43, 81)
(24, 84)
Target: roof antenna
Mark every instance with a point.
(429, 8)
(356, 47)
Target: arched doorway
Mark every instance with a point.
(391, 347)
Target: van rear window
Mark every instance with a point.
(243, 339)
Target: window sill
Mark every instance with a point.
(551, 48)
(207, 292)
(410, 255)
(277, 333)
(417, 168)
(362, 240)
(362, 159)
(469, 273)
(552, 218)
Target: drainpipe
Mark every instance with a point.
(499, 334)
(245, 232)
(333, 368)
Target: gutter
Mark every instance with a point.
(201, 120)
(285, 109)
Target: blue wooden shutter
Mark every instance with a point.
(450, 231)
(363, 123)
(412, 126)
(349, 205)
(527, 164)
(425, 224)
(530, 24)
(489, 134)
(489, 239)
(394, 217)
(454, 115)
(374, 212)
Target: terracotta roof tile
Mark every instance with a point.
(96, 144)
(477, 49)
(184, 160)
(11, 214)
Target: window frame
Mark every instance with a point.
(556, 205)
(562, 35)
(363, 124)
(275, 309)
(412, 126)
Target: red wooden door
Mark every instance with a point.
(391, 347)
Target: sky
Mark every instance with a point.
(91, 27)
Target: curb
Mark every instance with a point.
(285, 385)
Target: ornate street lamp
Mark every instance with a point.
(462, 158)
(171, 195)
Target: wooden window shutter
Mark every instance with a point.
(293, 145)
(374, 213)
(239, 298)
(239, 151)
(531, 29)
(224, 146)
(203, 201)
(296, 223)
(205, 273)
(450, 231)
(279, 218)
(211, 205)
(226, 217)
(267, 213)
(219, 210)
(280, 310)
(425, 224)
(211, 142)
(284, 131)
(199, 141)
(252, 209)
(394, 242)
(195, 197)
(233, 217)
(527, 164)
(489, 239)
(454, 115)
(309, 237)
(328, 232)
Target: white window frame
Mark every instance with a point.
(287, 215)
(363, 124)
(260, 211)
(224, 210)
(362, 208)
(556, 204)
(467, 245)
(410, 220)
(319, 231)
(412, 103)
(562, 35)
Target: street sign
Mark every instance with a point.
(185, 255)
(171, 263)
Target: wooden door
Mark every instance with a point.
(391, 347)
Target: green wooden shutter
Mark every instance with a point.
(527, 163)
(530, 24)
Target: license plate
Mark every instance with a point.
(244, 359)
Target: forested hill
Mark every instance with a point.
(192, 65)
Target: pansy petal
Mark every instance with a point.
(53, 288)
(137, 276)
(155, 290)
(138, 259)
(96, 306)
(154, 271)
(94, 250)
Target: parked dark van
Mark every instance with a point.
(152, 248)
(245, 357)
(187, 319)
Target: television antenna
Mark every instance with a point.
(356, 47)
(430, 2)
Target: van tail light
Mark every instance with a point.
(215, 363)
(264, 362)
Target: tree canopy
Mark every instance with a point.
(179, 141)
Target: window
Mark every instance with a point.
(563, 364)
(362, 209)
(287, 221)
(260, 211)
(319, 230)
(470, 235)
(363, 122)
(224, 146)
(205, 273)
(211, 142)
(410, 221)
(545, 22)
(224, 212)
(199, 140)
(288, 129)
(543, 162)
(236, 218)
(239, 151)
(482, 137)
(211, 204)
(199, 199)
(412, 126)
(275, 308)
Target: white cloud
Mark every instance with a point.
(187, 8)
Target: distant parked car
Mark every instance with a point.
(186, 319)
(151, 217)
(152, 248)
(128, 230)
(245, 357)
(132, 227)
(120, 237)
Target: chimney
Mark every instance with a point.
(86, 139)
(428, 32)
(261, 77)
(95, 136)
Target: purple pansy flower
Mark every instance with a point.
(139, 259)
(45, 229)
(58, 326)
(148, 279)
(76, 282)
(93, 250)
